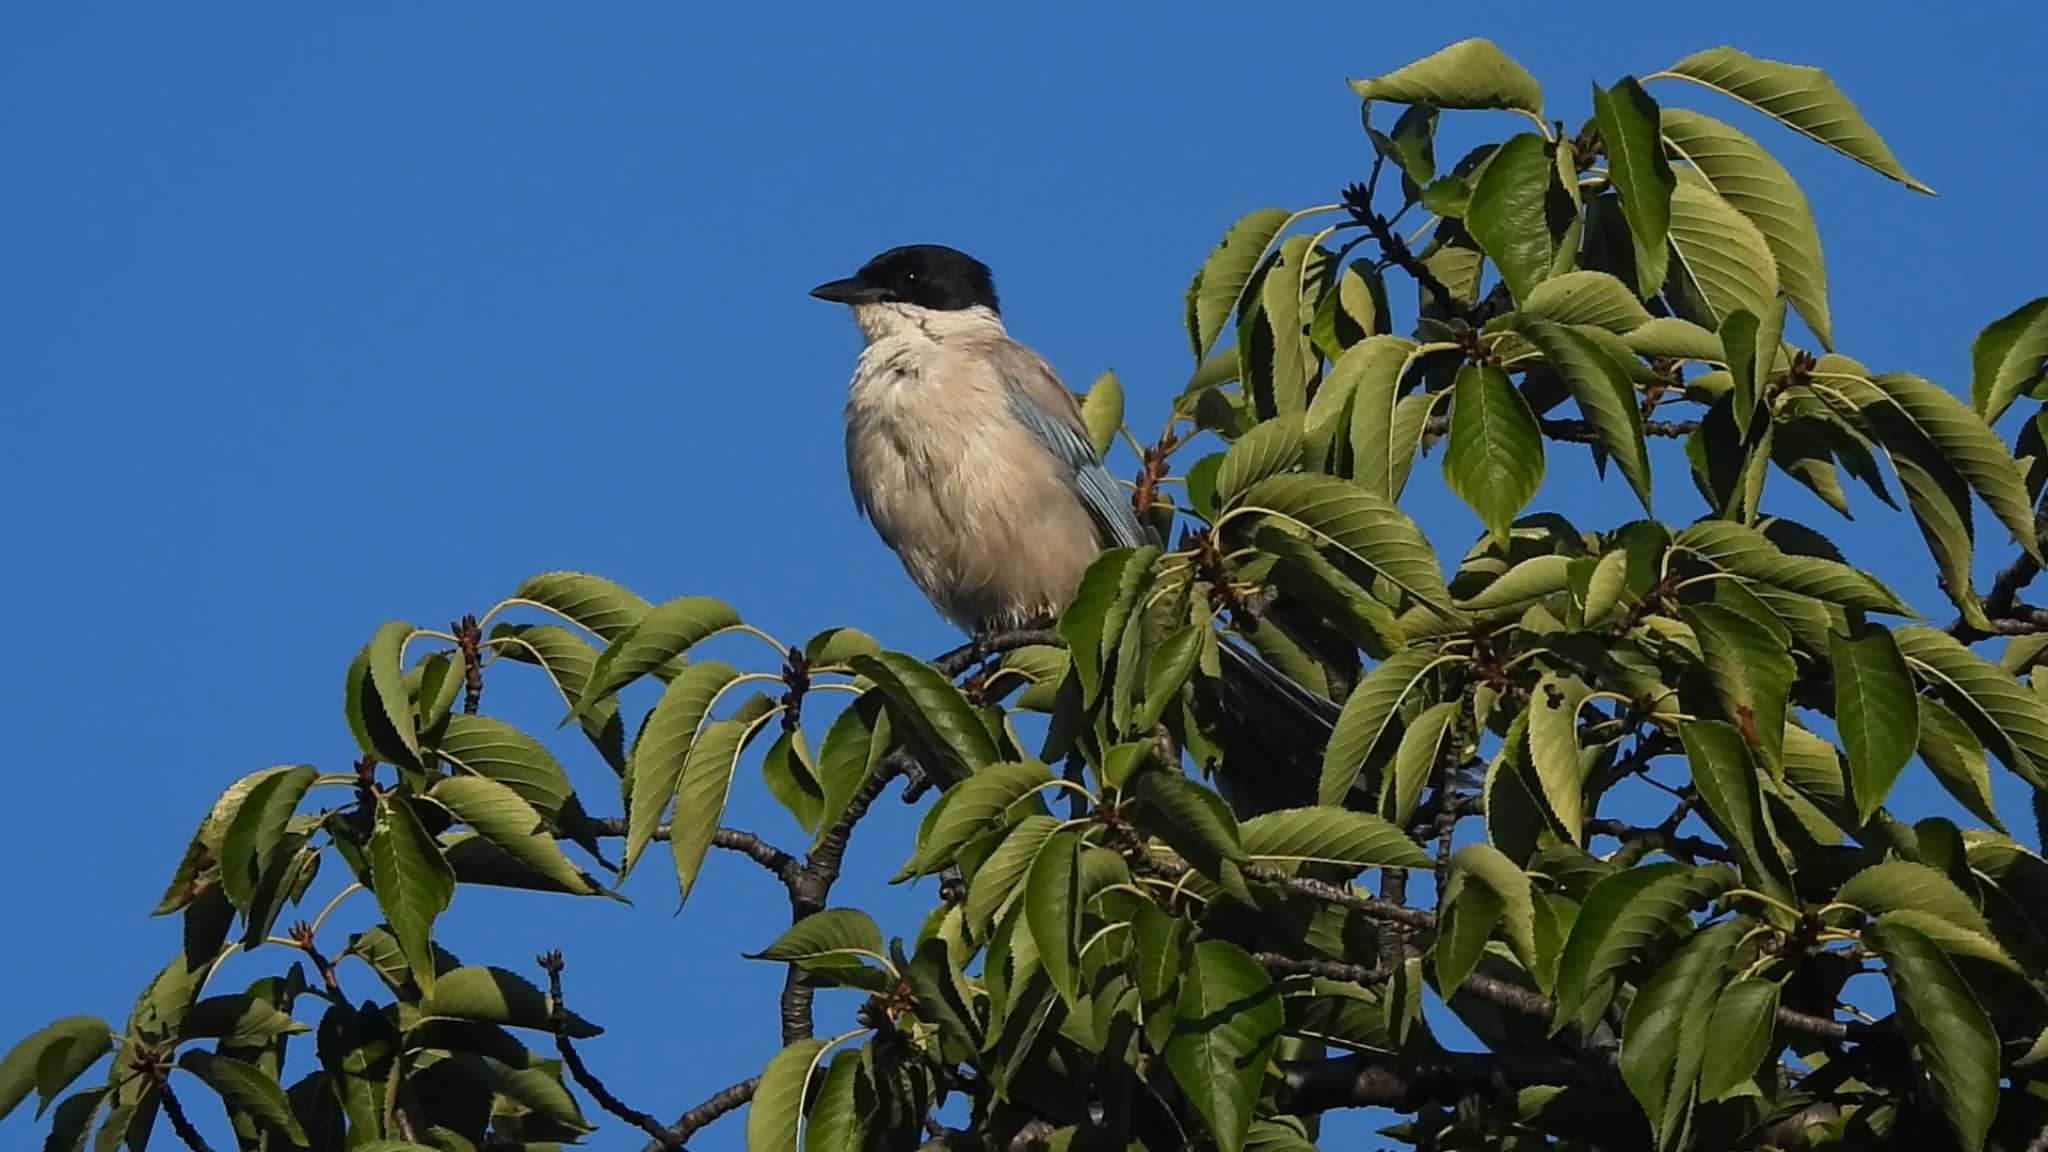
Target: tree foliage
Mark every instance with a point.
(1146, 933)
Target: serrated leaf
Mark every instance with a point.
(1739, 1037)
(1494, 461)
(1168, 671)
(251, 845)
(1642, 177)
(1214, 292)
(1368, 714)
(1956, 757)
(655, 764)
(998, 877)
(1800, 97)
(1228, 1017)
(1102, 412)
(1666, 1032)
(1725, 772)
(700, 796)
(1415, 760)
(503, 818)
(974, 806)
(1368, 528)
(1052, 910)
(569, 660)
(664, 633)
(1953, 1042)
(387, 677)
(1624, 913)
(1721, 260)
(1583, 297)
(1555, 752)
(1970, 446)
(1468, 74)
(1328, 836)
(1383, 434)
(834, 936)
(777, 1107)
(1487, 865)
(934, 717)
(248, 1090)
(1751, 672)
(835, 1123)
(597, 604)
(1267, 450)
(1748, 553)
(1874, 711)
(492, 748)
(1530, 580)
(487, 995)
(73, 1043)
(1928, 900)
(1465, 922)
(412, 881)
(2011, 720)
(2008, 357)
(1605, 587)
(1752, 181)
(1509, 215)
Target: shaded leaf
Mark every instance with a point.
(412, 881)
(655, 765)
(1953, 1043)
(1226, 1022)
(1629, 128)
(498, 814)
(1874, 711)
(1509, 215)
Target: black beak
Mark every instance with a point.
(848, 291)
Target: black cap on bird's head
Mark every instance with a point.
(922, 275)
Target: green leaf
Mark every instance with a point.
(1372, 709)
(240, 1020)
(1214, 293)
(1102, 412)
(1194, 822)
(1743, 551)
(854, 745)
(569, 660)
(1956, 757)
(2011, 720)
(73, 1120)
(2008, 357)
(1052, 910)
(1722, 261)
(593, 602)
(1367, 528)
(1383, 433)
(1093, 623)
(412, 881)
(1464, 924)
(1468, 74)
(974, 806)
(1726, 776)
(1329, 836)
(1531, 580)
(993, 884)
(1753, 182)
(778, 1104)
(1953, 1043)
(1751, 671)
(1593, 298)
(792, 780)
(1605, 587)
(1555, 752)
(836, 1123)
(498, 814)
(1969, 444)
(254, 838)
(1800, 97)
(1874, 710)
(486, 995)
(663, 634)
(1227, 1020)
(835, 939)
(1666, 1031)
(492, 748)
(1739, 1036)
(1267, 450)
(1158, 942)
(69, 1041)
(248, 1090)
(1272, 334)
(1168, 671)
(1929, 901)
(1629, 127)
(1625, 913)
(1494, 461)
(701, 793)
(1510, 216)
(1415, 760)
(655, 764)
(934, 717)
(835, 646)
(1487, 865)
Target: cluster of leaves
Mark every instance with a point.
(1124, 954)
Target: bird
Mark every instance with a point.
(971, 460)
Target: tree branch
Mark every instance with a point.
(551, 963)
(1280, 965)
(721, 1102)
(781, 863)
(181, 1123)
(1406, 1083)
(1686, 847)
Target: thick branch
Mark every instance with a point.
(1582, 431)
(1348, 897)
(726, 1100)
(2008, 616)
(1406, 1083)
(981, 648)
(1328, 969)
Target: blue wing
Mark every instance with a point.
(1066, 439)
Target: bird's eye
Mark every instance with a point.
(910, 277)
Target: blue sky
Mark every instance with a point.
(318, 317)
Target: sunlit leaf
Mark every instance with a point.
(1469, 74)
(1494, 461)
(1642, 177)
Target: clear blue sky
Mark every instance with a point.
(319, 316)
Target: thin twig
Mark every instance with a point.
(181, 1123)
(551, 963)
(1688, 848)
(781, 863)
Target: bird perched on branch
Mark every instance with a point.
(970, 458)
